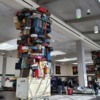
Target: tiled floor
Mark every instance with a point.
(11, 96)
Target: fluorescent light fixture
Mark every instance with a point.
(67, 59)
(90, 62)
(96, 29)
(4, 46)
(9, 45)
(78, 13)
(55, 53)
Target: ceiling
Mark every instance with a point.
(66, 11)
(63, 39)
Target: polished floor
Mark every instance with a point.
(11, 96)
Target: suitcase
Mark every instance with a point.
(17, 23)
(45, 45)
(20, 49)
(33, 47)
(46, 70)
(44, 17)
(36, 22)
(39, 46)
(36, 57)
(25, 72)
(48, 57)
(42, 10)
(43, 51)
(18, 65)
(25, 49)
(70, 91)
(47, 41)
(34, 30)
(48, 29)
(24, 64)
(29, 61)
(36, 73)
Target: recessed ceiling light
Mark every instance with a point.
(78, 13)
(96, 29)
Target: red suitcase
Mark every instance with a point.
(36, 73)
(42, 10)
(70, 91)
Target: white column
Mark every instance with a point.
(4, 69)
(82, 74)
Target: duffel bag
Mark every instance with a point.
(18, 65)
(42, 10)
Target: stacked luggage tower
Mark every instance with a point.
(34, 49)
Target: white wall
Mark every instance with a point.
(66, 70)
(10, 67)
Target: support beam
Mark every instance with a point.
(4, 69)
(84, 19)
(43, 2)
(82, 74)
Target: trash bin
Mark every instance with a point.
(70, 91)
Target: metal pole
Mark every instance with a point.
(4, 69)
